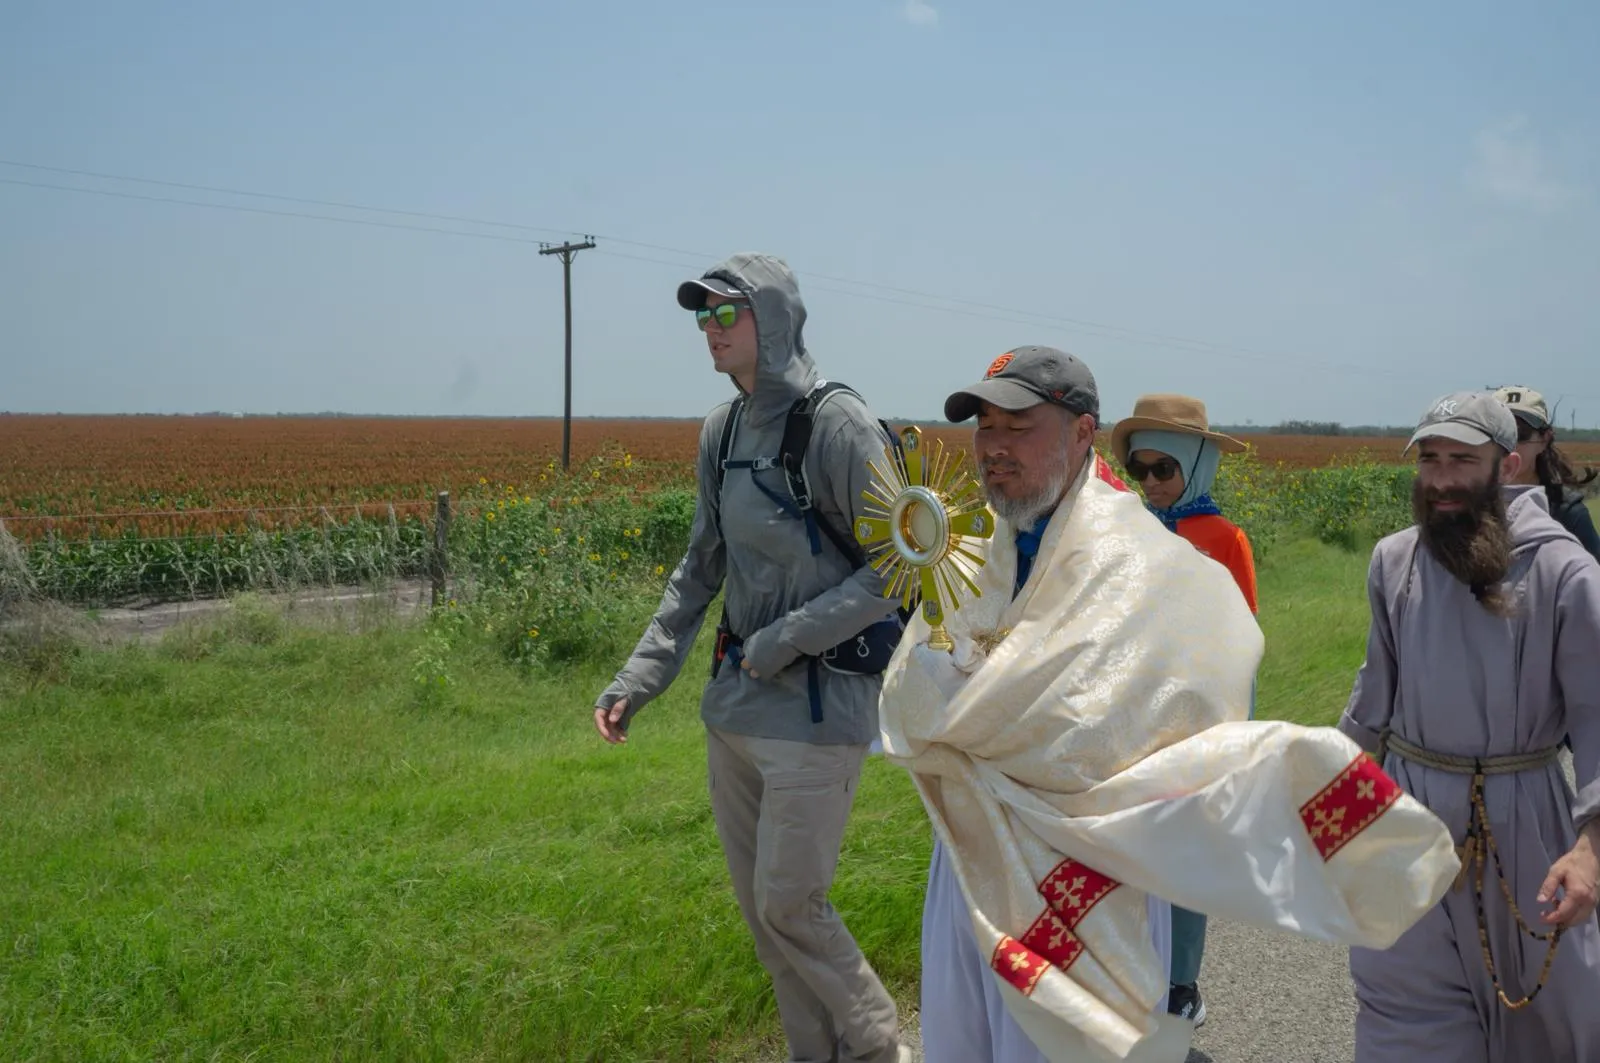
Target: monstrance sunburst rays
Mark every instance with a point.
(919, 517)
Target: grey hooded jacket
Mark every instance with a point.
(783, 600)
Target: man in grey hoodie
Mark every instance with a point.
(1483, 656)
(786, 734)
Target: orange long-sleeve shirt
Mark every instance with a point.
(1216, 537)
(1226, 543)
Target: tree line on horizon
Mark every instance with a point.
(1282, 428)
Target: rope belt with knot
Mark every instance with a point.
(1480, 837)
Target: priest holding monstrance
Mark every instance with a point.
(1072, 703)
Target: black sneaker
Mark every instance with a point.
(1184, 1001)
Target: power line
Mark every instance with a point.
(1005, 314)
(1102, 328)
(931, 300)
(1013, 316)
(263, 210)
(1025, 317)
(1017, 317)
(280, 198)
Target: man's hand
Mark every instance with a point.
(609, 721)
(1577, 877)
(765, 655)
(940, 667)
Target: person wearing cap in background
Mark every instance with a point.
(1546, 466)
(785, 739)
(1169, 450)
(1075, 754)
(1481, 658)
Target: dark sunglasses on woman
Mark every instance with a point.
(1163, 470)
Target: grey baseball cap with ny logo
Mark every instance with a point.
(1470, 417)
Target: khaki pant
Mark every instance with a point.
(781, 809)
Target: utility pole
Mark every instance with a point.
(566, 251)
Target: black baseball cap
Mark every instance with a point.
(1027, 376)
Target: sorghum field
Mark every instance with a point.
(106, 509)
(57, 471)
(59, 466)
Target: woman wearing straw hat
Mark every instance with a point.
(1170, 452)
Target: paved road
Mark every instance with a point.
(1274, 998)
(1270, 998)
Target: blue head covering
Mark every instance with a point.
(1197, 457)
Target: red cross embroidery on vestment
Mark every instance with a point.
(1070, 891)
(1053, 940)
(1018, 964)
(1348, 805)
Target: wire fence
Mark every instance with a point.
(192, 523)
(111, 558)
(119, 558)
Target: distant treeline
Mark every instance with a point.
(1314, 428)
(1285, 428)
(1334, 428)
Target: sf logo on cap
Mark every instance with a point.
(998, 364)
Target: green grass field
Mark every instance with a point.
(261, 844)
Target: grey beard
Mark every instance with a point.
(1022, 512)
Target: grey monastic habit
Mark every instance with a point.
(1448, 676)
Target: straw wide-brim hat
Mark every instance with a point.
(1168, 413)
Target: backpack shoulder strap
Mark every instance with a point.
(797, 439)
(724, 451)
(797, 430)
(725, 444)
(792, 455)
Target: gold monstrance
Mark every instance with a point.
(920, 515)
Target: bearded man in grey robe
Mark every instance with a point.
(1483, 659)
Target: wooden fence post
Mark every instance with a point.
(393, 551)
(216, 568)
(441, 542)
(327, 545)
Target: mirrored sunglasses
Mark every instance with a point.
(724, 315)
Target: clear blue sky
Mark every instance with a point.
(1354, 206)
